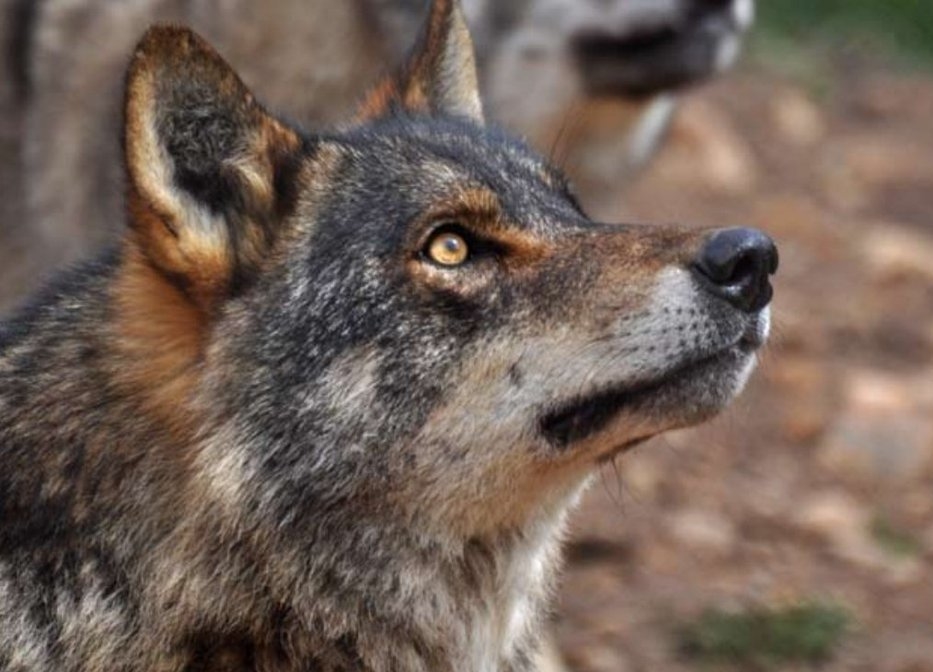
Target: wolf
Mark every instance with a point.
(327, 402)
(310, 59)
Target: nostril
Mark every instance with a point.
(735, 264)
(748, 265)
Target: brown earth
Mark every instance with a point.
(776, 502)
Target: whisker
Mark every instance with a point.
(560, 150)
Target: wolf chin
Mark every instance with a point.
(326, 404)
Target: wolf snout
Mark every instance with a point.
(736, 265)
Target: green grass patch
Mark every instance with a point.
(894, 540)
(899, 31)
(762, 638)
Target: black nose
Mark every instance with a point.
(736, 264)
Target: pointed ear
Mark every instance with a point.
(439, 76)
(208, 168)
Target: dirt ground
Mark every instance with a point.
(818, 484)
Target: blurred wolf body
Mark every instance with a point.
(310, 59)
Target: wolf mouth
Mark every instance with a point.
(647, 61)
(585, 416)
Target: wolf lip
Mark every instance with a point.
(583, 417)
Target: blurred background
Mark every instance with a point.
(797, 531)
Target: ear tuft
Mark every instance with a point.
(439, 77)
(203, 160)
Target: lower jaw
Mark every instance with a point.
(684, 397)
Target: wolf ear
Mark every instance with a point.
(439, 76)
(206, 165)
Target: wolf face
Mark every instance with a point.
(438, 313)
(553, 343)
(328, 403)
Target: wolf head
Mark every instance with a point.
(411, 319)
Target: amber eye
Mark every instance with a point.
(448, 249)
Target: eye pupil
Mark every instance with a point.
(448, 249)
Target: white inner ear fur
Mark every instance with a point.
(192, 222)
